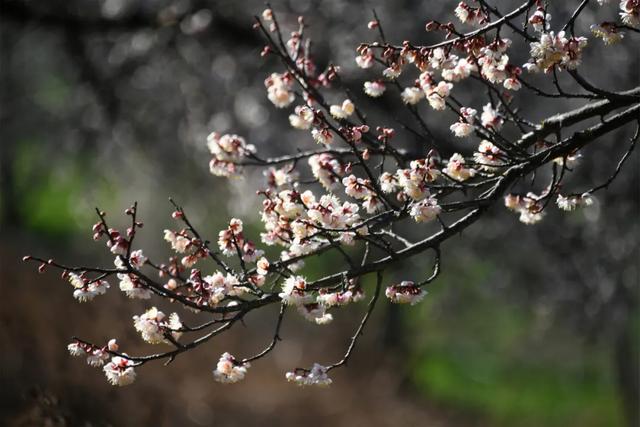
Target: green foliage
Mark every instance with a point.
(492, 358)
(55, 201)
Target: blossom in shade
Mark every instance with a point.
(608, 32)
(571, 203)
(630, 13)
(425, 210)
(490, 117)
(279, 89)
(374, 89)
(406, 292)
(412, 95)
(315, 312)
(317, 375)
(488, 157)
(303, 117)
(464, 127)
(342, 111)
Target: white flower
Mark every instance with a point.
(133, 288)
(76, 349)
(315, 312)
(316, 376)
(97, 357)
(342, 111)
(279, 90)
(540, 21)
(425, 210)
(630, 14)
(412, 95)
(293, 291)
(392, 72)
(462, 12)
(120, 371)
(374, 89)
(490, 117)
(570, 203)
(365, 59)
(76, 281)
(152, 326)
(327, 170)
(303, 117)
(178, 242)
(512, 83)
(262, 266)
(322, 136)
(555, 49)
(488, 156)
(456, 168)
(464, 127)
(137, 259)
(405, 293)
(228, 370)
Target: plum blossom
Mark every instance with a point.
(406, 292)
(464, 127)
(456, 168)
(342, 111)
(133, 287)
(488, 157)
(436, 95)
(153, 326)
(540, 20)
(374, 89)
(608, 32)
(570, 203)
(630, 14)
(326, 169)
(303, 117)
(425, 210)
(315, 312)
(556, 50)
(365, 59)
(227, 150)
(229, 370)
(412, 95)
(294, 291)
(490, 117)
(279, 89)
(322, 136)
(529, 207)
(120, 371)
(317, 375)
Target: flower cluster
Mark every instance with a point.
(327, 170)
(570, 203)
(405, 293)
(279, 89)
(229, 370)
(556, 50)
(529, 207)
(317, 375)
(120, 371)
(86, 289)
(228, 151)
(155, 327)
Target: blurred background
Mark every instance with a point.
(105, 102)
